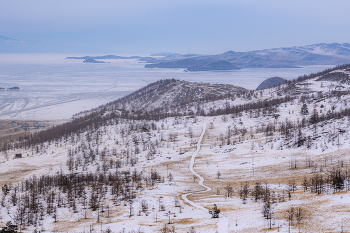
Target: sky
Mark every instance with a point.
(180, 26)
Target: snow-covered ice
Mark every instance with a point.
(52, 87)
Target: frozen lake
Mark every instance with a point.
(52, 87)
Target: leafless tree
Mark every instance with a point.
(268, 212)
(305, 183)
(144, 205)
(218, 174)
(244, 192)
(229, 189)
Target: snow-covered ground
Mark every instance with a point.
(232, 145)
(204, 155)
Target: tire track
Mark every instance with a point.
(48, 104)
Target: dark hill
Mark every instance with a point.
(216, 65)
(271, 82)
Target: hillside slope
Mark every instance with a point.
(170, 93)
(274, 158)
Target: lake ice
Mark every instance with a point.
(53, 88)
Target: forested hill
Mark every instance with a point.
(173, 98)
(171, 93)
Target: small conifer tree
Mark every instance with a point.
(215, 212)
(9, 228)
(5, 190)
(304, 110)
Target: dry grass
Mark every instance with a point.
(319, 209)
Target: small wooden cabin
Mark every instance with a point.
(18, 156)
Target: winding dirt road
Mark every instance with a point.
(223, 221)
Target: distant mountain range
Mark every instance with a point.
(105, 57)
(167, 54)
(10, 45)
(292, 57)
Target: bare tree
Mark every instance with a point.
(176, 201)
(170, 177)
(244, 192)
(305, 183)
(131, 208)
(218, 174)
(268, 212)
(295, 213)
(229, 189)
(299, 214)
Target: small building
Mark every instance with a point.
(25, 125)
(13, 123)
(18, 156)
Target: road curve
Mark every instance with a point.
(223, 220)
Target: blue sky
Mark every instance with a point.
(191, 26)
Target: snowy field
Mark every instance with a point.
(236, 146)
(54, 88)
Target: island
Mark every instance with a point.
(91, 60)
(11, 88)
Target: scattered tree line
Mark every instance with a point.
(39, 197)
(115, 112)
